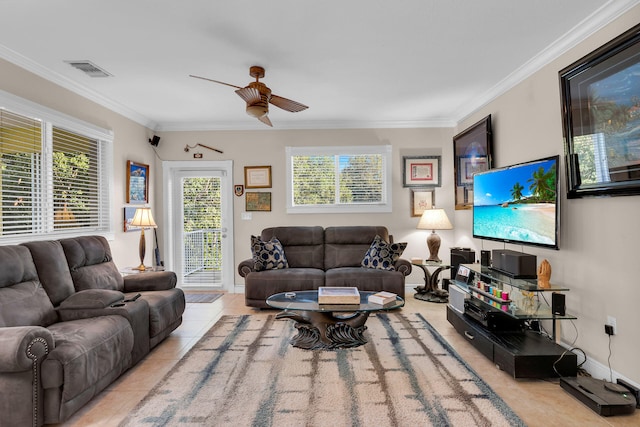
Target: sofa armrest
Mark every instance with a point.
(152, 281)
(22, 346)
(246, 267)
(91, 298)
(403, 266)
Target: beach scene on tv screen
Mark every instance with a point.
(517, 203)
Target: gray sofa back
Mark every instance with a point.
(347, 246)
(23, 300)
(303, 246)
(91, 264)
(53, 270)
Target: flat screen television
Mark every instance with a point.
(518, 204)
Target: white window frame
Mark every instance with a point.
(52, 118)
(382, 207)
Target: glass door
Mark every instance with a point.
(201, 237)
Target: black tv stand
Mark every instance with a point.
(524, 354)
(491, 315)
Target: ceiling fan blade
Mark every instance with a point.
(249, 94)
(265, 119)
(215, 81)
(287, 104)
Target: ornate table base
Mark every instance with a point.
(327, 330)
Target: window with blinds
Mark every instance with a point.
(54, 180)
(338, 179)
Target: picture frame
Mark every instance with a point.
(256, 201)
(421, 171)
(472, 153)
(257, 177)
(238, 190)
(137, 182)
(129, 212)
(600, 105)
(421, 200)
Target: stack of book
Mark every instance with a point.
(382, 298)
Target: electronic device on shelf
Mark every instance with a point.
(518, 204)
(492, 319)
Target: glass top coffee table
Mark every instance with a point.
(327, 326)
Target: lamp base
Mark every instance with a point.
(141, 267)
(433, 243)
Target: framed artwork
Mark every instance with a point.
(421, 200)
(601, 119)
(257, 201)
(471, 154)
(129, 211)
(257, 176)
(421, 171)
(238, 190)
(137, 182)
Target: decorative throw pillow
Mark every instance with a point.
(382, 255)
(268, 255)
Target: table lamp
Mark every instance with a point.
(434, 219)
(143, 219)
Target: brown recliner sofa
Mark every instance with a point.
(318, 256)
(70, 324)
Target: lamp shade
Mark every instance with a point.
(434, 219)
(143, 218)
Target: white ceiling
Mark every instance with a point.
(355, 63)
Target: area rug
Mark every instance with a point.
(202, 297)
(244, 372)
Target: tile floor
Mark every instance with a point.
(537, 402)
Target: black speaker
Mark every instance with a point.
(514, 264)
(485, 258)
(558, 306)
(155, 140)
(461, 256)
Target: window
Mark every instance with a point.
(54, 174)
(338, 179)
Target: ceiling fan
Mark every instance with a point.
(258, 96)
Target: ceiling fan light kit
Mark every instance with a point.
(258, 97)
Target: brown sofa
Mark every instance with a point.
(70, 324)
(318, 256)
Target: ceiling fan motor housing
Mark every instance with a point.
(259, 108)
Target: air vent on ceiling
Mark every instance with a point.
(89, 68)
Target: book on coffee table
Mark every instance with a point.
(382, 298)
(338, 295)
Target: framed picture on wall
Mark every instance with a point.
(601, 118)
(421, 171)
(257, 201)
(137, 182)
(471, 154)
(257, 177)
(421, 200)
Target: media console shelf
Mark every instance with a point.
(497, 307)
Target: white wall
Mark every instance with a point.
(130, 143)
(599, 236)
(258, 148)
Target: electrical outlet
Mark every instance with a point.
(608, 329)
(612, 321)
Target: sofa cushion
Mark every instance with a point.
(303, 246)
(53, 269)
(91, 264)
(382, 255)
(165, 308)
(346, 246)
(268, 255)
(87, 351)
(261, 285)
(23, 300)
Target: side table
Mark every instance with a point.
(430, 291)
(132, 270)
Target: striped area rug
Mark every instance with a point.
(244, 372)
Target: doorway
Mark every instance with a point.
(199, 212)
